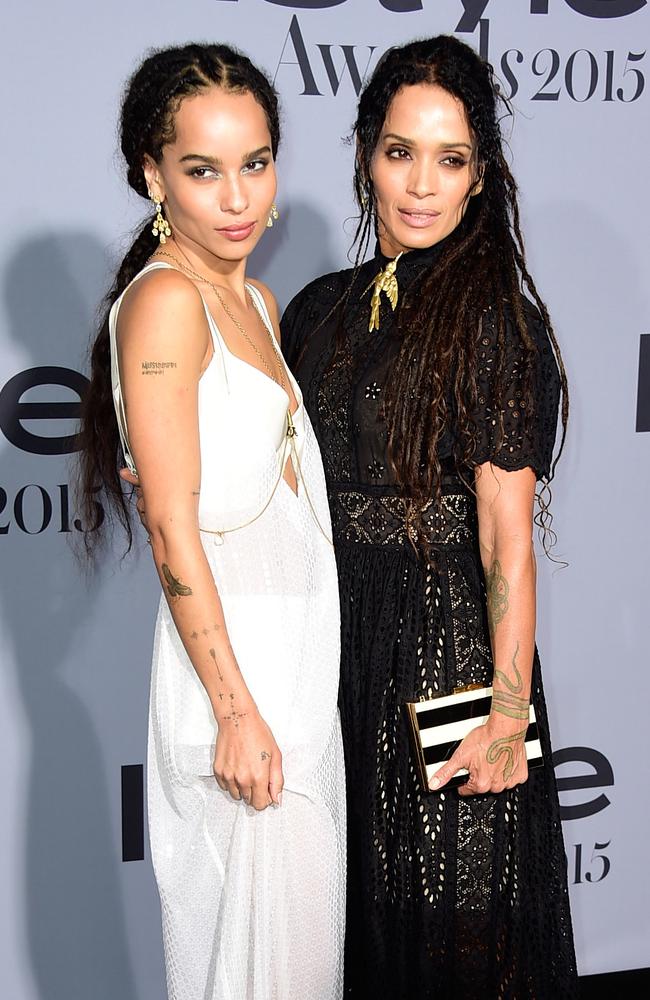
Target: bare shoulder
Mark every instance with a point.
(161, 304)
(269, 299)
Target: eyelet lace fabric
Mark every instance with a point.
(253, 903)
(448, 898)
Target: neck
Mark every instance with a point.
(229, 274)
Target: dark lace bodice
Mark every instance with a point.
(448, 898)
(347, 404)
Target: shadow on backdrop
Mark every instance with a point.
(74, 910)
(297, 249)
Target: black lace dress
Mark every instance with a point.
(447, 897)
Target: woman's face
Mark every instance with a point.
(422, 169)
(217, 179)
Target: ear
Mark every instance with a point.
(478, 184)
(152, 179)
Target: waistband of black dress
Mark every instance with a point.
(361, 516)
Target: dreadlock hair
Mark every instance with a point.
(483, 269)
(151, 101)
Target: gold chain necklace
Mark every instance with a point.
(290, 444)
(278, 358)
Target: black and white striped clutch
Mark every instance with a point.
(439, 724)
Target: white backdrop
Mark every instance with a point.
(76, 921)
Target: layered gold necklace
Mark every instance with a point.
(190, 272)
(290, 443)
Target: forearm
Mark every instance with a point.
(197, 611)
(510, 581)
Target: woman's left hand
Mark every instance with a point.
(494, 755)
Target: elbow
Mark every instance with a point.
(487, 546)
(169, 527)
(507, 546)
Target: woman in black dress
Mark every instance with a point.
(436, 415)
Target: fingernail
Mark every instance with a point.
(434, 783)
(280, 799)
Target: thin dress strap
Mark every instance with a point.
(116, 383)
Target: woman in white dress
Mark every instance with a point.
(245, 773)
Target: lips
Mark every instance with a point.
(237, 232)
(418, 218)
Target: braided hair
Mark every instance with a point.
(151, 101)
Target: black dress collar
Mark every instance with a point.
(411, 260)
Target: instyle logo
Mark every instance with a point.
(14, 412)
(473, 10)
(643, 391)
(33, 508)
(328, 68)
(595, 775)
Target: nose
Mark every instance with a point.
(234, 198)
(422, 179)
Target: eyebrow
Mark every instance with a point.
(441, 145)
(215, 161)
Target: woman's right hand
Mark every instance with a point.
(247, 760)
(127, 476)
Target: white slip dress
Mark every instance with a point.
(253, 904)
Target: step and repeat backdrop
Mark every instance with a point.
(79, 911)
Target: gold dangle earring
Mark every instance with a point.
(161, 227)
(274, 215)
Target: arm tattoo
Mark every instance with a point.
(156, 367)
(205, 631)
(216, 663)
(502, 747)
(518, 686)
(510, 702)
(174, 585)
(497, 595)
(234, 716)
(513, 711)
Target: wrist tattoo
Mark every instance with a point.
(234, 716)
(174, 585)
(504, 747)
(520, 712)
(510, 702)
(498, 589)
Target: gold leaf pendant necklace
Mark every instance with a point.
(386, 282)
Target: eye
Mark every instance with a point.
(255, 166)
(454, 160)
(202, 172)
(397, 153)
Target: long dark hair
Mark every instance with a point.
(483, 269)
(151, 100)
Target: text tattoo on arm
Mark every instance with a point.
(156, 367)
